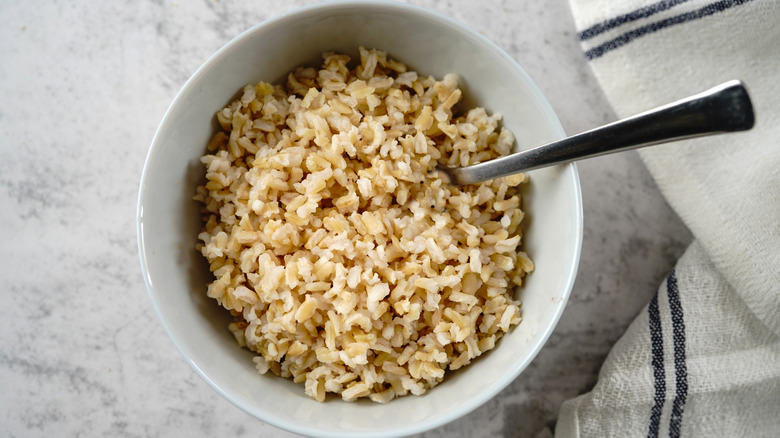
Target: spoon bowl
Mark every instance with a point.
(169, 221)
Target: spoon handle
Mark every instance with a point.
(724, 108)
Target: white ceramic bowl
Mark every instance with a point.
(168, 221)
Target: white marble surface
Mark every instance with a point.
(83, 86)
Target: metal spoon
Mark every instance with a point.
(721, 109)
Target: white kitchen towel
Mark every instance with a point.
(703, 358)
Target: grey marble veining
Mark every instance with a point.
(84, 85)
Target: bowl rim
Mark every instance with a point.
(428, 14)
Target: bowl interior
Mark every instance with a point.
(169, 221)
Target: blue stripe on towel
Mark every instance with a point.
(680, 368)
(627, 37)
(657, 344)
(643, 12)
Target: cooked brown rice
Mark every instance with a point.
(348, 263)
